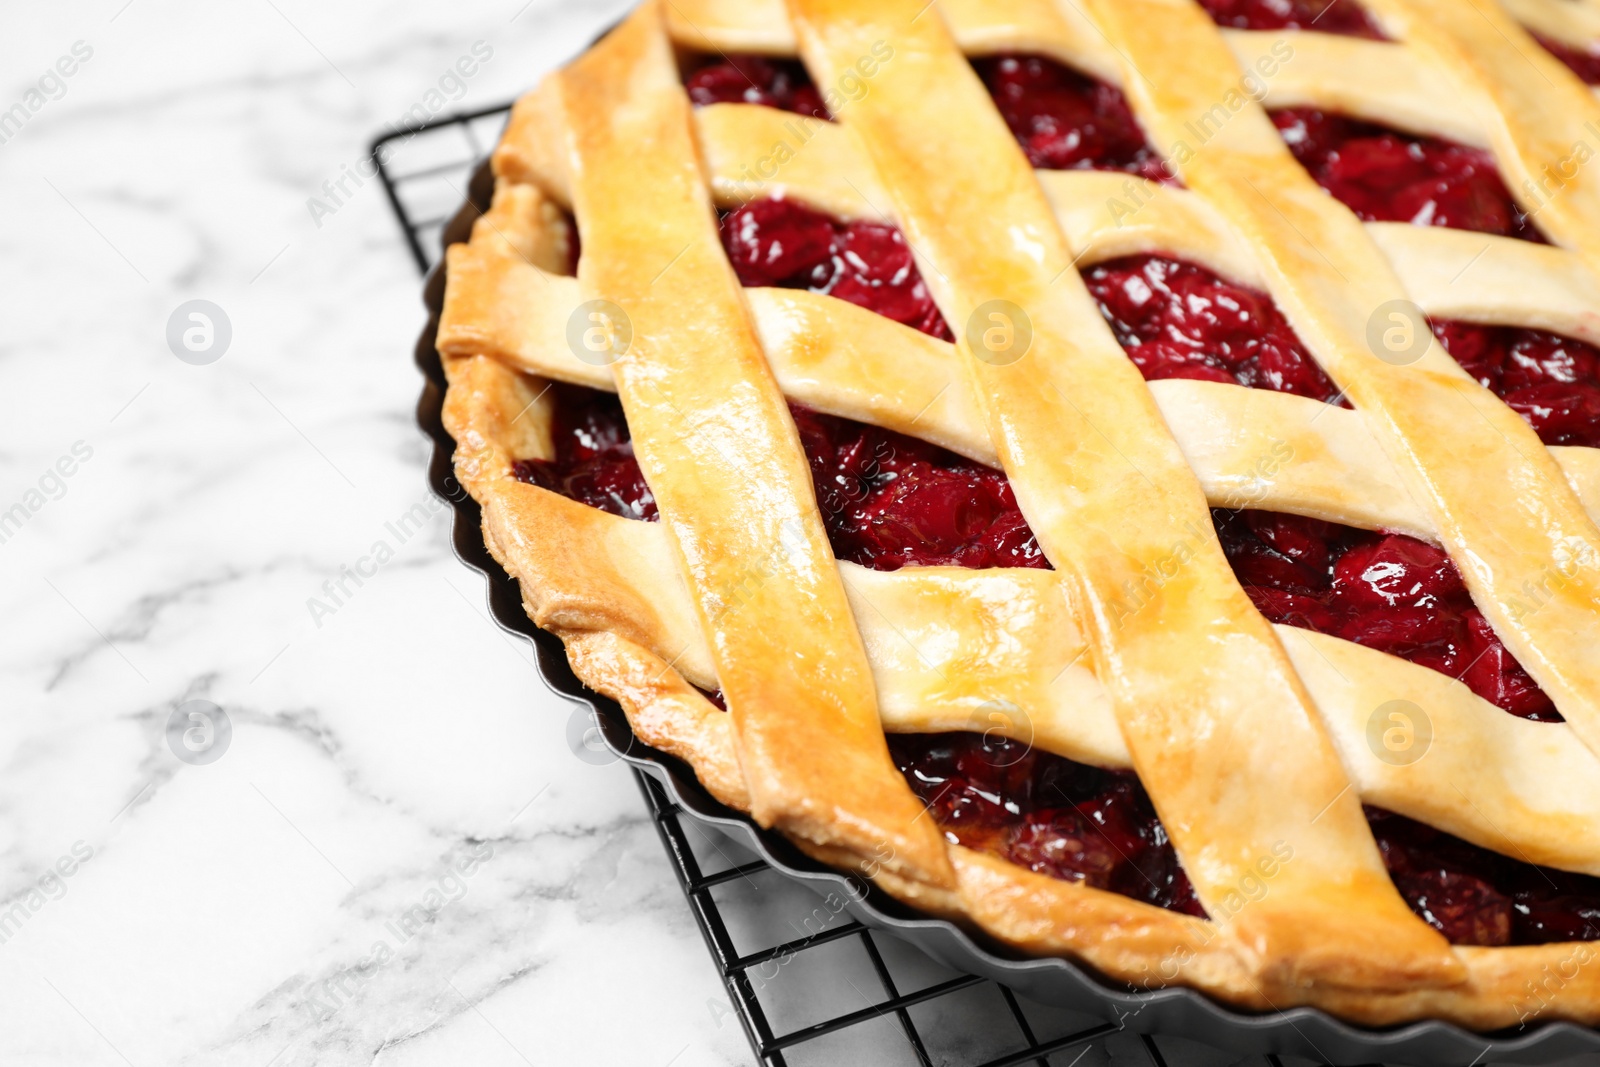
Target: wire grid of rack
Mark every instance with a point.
(838, 992)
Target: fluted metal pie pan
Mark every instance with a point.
(1179, 1012)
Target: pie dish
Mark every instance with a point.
(1119, 476)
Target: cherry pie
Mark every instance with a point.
(1118, 474)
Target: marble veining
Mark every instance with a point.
(398, 859)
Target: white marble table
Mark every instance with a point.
(299, 900)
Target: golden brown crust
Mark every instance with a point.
(1275, 451)
(1539, 117)
(945, 643)
(716, 443)
(1495, 495)
(1228, 745)
(569, 590)
(665, 712)
(1504, 987)
(613, 590)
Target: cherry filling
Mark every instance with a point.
(1584, 62)
(1552, 381)
(1387, 176)
(889, 501)
(1477, 897)
(778, 242)
(1344, 17)
(1048, 814)
(1394, 593)
(1385, 591)
(594, 461)
(1177, 320)
(743, 79)
(1066, 121)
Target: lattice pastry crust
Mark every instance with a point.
(1247, 736)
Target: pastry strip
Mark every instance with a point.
(1542, 122)
(1220, 729)
(1497, 500)
(1249, 448)
(1380, 81)
(753, 151)
(716, 443)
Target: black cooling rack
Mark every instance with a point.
(806, 983)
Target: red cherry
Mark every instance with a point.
(1066, 121)
(874, 269)
(1177, 320)
(594, 459)
(1389, 176)
(1303, 540)
(1396, 571)
(1493, 673)
(1391, 593)
(1009, 543)
(1550, 380)
(1379, 164)
(1467, 910)
(1481, 350)
(1064, 843)
(808, 101)
(770, 241)
(1283, 367)
(1293, 609)
(1160, 359)
(1311, 134)
(1465, 201)
(745, 79)
(1584, 62)
(1561, 413)
(1260, 566)
(780, 242)
(931, 507)
(1413, 633)
(1324, 16)
(725, 83)
(1537, 357)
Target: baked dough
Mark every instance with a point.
(1245, 734)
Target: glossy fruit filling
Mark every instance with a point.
(594, 461)
(1063, 120)
(1584, 62)
(1386, 591)
(890, 501)
(778, 242)
(1177, 320)
(1478, 897)
(744, 79)
(887, 500)
(1344, 17)
(1550, 380)
(1067, 121)
(1384, 175)
(1048, 814)
(1083, 824)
